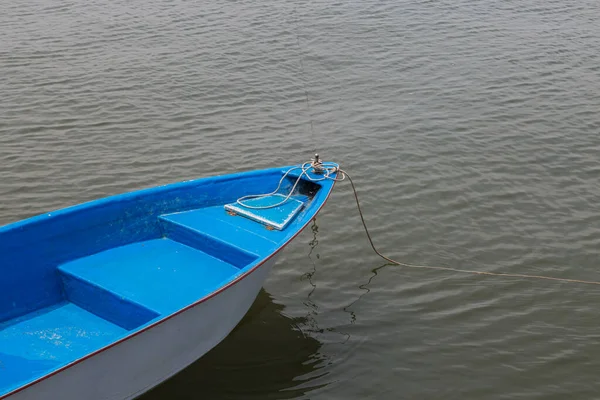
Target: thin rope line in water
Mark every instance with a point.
(464, 271)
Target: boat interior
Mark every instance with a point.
(77, 280)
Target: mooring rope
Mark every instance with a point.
(464, 271)
(332, 171)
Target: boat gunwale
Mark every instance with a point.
(133, 194)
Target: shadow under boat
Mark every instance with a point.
(266, 356)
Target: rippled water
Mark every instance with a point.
(472, 129)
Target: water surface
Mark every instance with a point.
(470, 127)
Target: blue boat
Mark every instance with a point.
(107, 299)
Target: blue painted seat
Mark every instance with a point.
(201, 249)
(232, 230)
(161, 275)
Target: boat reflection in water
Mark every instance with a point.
(265, 356)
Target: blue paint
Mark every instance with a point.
(78, 279)
(49, 338)
(15, 370)
(216, 223)
(199, 240)
(104, 303)
(161, 275)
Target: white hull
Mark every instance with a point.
(136, 365)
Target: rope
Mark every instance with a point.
(329, 168)
(464, 271)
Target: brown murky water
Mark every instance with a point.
(471, 128)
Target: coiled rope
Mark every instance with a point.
(328, 168)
